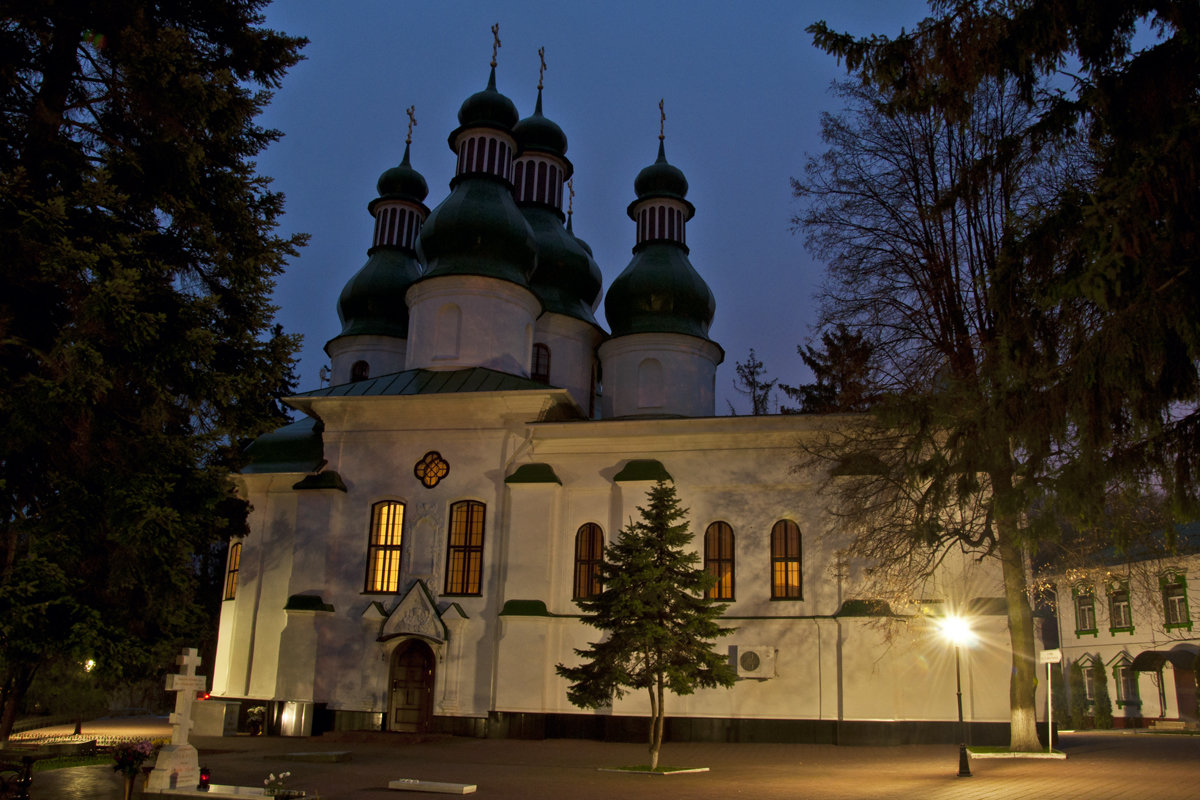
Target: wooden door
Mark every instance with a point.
(410, 703)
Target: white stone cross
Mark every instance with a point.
(185, 686)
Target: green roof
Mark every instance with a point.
(534, 473)
(306, 602)
(643, 470)
(295, 447)
(322, 480)
(427, 381)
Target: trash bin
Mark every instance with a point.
(296, 719)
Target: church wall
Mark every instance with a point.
(491, 324)
(659, 374)
(572, 344)
(383, 355)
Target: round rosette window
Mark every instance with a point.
(431, 469)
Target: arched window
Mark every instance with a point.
(589, 554)
(650, 384)
(464, 551)
(360, 371)
(786, 563)
(231, 572)
(718, 560)
(541, 363)
(384, 547)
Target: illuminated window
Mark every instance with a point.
(541, 363)
(786, 562)
(1085, 611)
(464, 554)
(718, 560)
(384, 547)
(231, 573)
(589, 555)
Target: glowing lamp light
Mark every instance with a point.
(89, 665)
(205, 777)
(958, 631)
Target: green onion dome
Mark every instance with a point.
(372, 301)
(478, 230)
(538, 134)
(485, 109)
(660, 291)
(402, 182)
(567, 280)
(595, 279)
(660, 179)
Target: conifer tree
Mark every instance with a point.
(1103, 713)
(1078, 696)
(138, 349)
(659, 626)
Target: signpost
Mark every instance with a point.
(1049, 657)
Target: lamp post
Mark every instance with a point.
(959, 632)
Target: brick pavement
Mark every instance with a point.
(1109, 765)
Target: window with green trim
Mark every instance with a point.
(1175, 601)
(1085, 610)
(1120, 616)
(1126, 681)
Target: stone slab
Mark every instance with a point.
(330, 757)
(214, 790)
(435, 787)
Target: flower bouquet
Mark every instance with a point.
(128, 757)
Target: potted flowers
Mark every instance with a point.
(128, 758)
(274, 786)
(254, 719)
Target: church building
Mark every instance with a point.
(421, 533)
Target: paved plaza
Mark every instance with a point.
(1109, 765)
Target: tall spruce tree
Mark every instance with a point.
(137, 345)
(659, 626)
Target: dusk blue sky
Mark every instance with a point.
(743, 89)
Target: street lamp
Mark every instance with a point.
(958, 631)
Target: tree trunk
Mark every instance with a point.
(657, 718)
(12, 692)
(1021, 695)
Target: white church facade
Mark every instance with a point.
(420, 535)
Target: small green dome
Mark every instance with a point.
(660, 292)
(486, 109)
(539, 134)
(597, 278)
(567, 280)
(478, 230)
(372, 302)
(402, 182)
(660, 179)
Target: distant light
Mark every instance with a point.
(89, 665)
(957, 630)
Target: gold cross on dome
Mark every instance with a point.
(495, 42)
(662, 120)
(542, 68)
(412, 120)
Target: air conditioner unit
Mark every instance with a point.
(756, 661)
